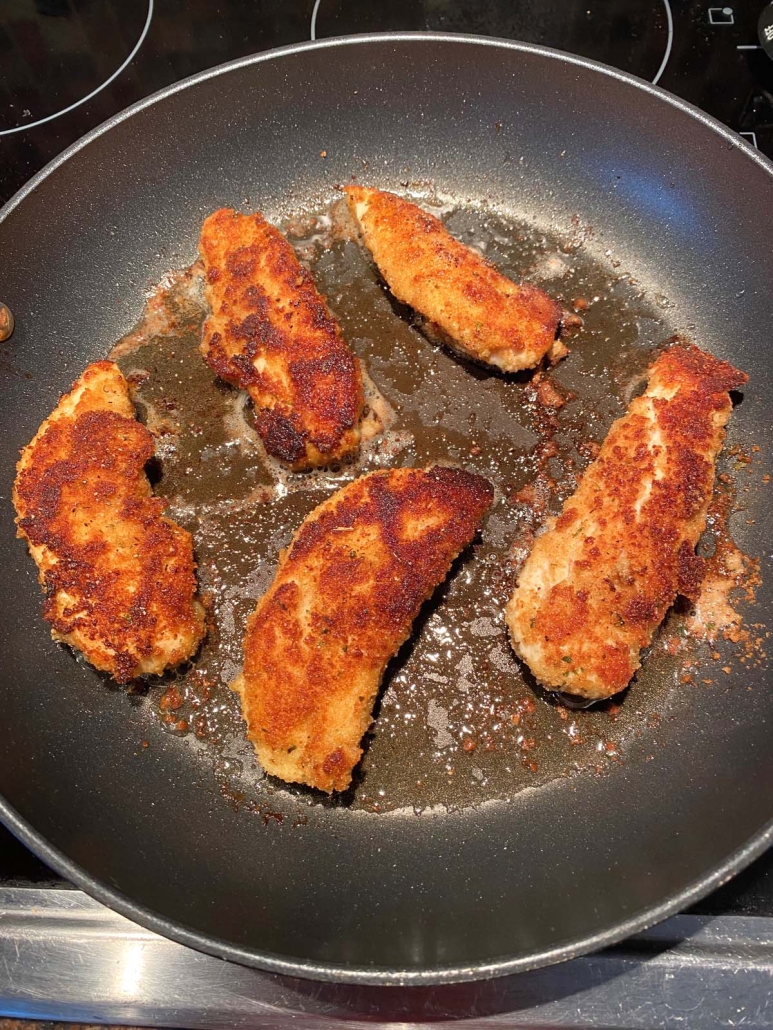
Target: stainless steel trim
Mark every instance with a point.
(65, 956)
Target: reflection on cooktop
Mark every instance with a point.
(634, 35)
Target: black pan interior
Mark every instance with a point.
(344, 892)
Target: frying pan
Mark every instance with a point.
(451, 895)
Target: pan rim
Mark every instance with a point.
(358, 39)
(378, 975)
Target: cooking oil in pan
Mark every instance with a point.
(459, 720)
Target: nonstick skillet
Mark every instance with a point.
(330, 890)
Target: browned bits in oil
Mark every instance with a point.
(240, 516)
(6, 323)
(171, 699)
(571, 323)
(137, 379)
(589, 449)
(548, 395)
(715, 613)
(526, 495)
(175, 724)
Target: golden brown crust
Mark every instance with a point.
(343, 601)
(599, 581)
(270, 333)
(476, 309)
(118, 576)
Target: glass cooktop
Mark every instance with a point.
(67, 65)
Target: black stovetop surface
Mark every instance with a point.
(55, 53)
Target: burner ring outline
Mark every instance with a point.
(93, 93)
(655, 81)
(669, 43)
(313, 26)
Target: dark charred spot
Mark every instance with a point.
(690, 571)
(280, 437)
(640, 609)
(334, 762)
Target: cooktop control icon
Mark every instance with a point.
(765, 30)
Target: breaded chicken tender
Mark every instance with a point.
(344, 599)
(469, 304)
(270, 333)
(119, 577)
(599, 581)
